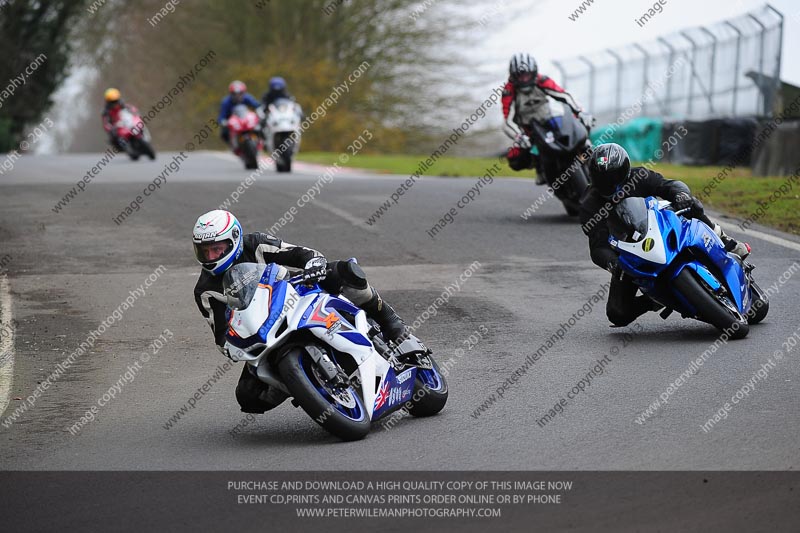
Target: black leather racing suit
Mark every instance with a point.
(270, 96)
(623, 305)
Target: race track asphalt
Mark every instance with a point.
(68, 271)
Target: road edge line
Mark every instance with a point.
(6, 344)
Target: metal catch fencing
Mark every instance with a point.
(729, 69)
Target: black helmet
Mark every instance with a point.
(522, 70)
(609, 167)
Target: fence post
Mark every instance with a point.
(591, 81)
(691, 76)
(563, 81)
(736, 64)
(618, 101)
(760, 82)
(668, 98)
(713, 66)
(780, 50)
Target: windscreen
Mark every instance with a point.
(240, 284)
(628, 221)
(280, 102)
(241, 110)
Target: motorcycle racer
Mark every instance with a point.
(237, 94)
(613, 180)
(110, 115)
(277, 89)
(219, 243)
(526, 94)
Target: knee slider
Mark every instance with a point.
(352, 275)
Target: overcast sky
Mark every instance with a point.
(544, 28)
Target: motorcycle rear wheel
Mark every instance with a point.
(709, 308)
(314, 396)
(430, 392)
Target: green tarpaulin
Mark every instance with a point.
(641, 137)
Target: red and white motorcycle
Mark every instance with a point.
(244, 126)
(133, 134)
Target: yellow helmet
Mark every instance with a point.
(112, 95)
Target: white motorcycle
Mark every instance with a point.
(282, 131)
(324, 352)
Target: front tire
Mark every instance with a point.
(147, 149)
(347, 420)
(284, 161)
(283, 164)
(430, 392)
(571, 210)
(250, 154)
(760, 306)
(709, 308)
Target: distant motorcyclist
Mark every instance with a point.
(219, 243)
(527, 92)
(237, 94)
(110, 115)
(277, 89)
(613, 180)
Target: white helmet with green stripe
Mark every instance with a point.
(217, 239)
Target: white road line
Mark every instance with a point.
(6, 344)
(727, 226)
(357, 222)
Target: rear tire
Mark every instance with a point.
(709, 308)
(430, 391)
(296, 369)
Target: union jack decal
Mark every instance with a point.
(383, 395)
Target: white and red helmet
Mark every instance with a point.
(237, 87)
(217, 240)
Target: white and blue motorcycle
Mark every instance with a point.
(322, 350)
(282, 132)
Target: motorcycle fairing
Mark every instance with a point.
(395, 390)
(559, 134)
(326, 319)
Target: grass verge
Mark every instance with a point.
(739, 194)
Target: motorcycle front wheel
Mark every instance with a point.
(709, 308)
(131, 149)
(339, 411)
(250, 154)
(284, 161)
(760, 306)
(146, 148)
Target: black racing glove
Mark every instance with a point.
(315, 270)
(683, 200)
(616, 270)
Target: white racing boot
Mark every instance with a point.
(742, 249)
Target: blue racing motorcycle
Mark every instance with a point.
(322, 350)
(682, 264)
